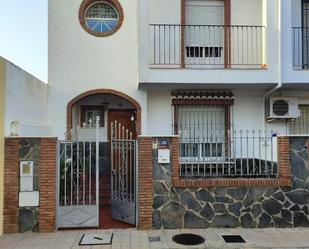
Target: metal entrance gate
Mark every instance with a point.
(123, 165)
(78, 183)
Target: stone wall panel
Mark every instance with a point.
(228, 207)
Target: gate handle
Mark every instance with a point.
(114, 171)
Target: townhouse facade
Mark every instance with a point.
(166, 114)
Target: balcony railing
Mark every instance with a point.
(300, 47)
(238, 154)
(207, 46)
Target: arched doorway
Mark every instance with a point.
(103, 93)
(111, 106)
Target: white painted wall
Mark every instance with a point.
(164, 11)
(160, 113)
(26, 102)
(247, 111)
(244, 12)
(79, 62)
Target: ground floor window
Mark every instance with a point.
(89, 115)
(203, 120)
(210, 147)
(301, 124)
(202, 131)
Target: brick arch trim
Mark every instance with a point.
(103, 91)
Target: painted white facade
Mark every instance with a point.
(82, 62)
(250, 87)
(25, 103)
(79, 62)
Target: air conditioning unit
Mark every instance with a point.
(283, 107)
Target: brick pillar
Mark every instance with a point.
(11, 185)
(175, 159)
(47, 184)
(145, 183)
(284, 164)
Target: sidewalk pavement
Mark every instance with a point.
(135, 239)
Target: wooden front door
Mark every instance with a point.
(123, 117)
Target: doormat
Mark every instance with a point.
(233, 239)
(92, 239)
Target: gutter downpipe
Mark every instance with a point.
(279, 84)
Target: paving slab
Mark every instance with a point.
(135, 239)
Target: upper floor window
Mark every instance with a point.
(300, 34)
(101, 18)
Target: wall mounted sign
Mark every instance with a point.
(26, 176)
(164, 156)
(163, 142)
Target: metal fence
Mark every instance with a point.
(300, 47)
(250, 154)
(219, 46)
(123, 162)
(78, 182)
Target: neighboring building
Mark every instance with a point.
(25, 108)
(23, 112)
(172, 113)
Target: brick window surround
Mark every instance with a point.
(282, 180)
(85, 5)
(102, 91)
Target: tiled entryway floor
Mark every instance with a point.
(134, 239)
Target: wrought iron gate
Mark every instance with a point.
(78, 183)
(123, 163)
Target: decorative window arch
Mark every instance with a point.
(101, 18)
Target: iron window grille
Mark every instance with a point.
(210, 149)
(300, 125)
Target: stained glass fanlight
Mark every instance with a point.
(101, 17)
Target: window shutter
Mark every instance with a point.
(207, 12)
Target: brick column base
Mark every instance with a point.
(44, 154)
(47, 185)
(145, 183)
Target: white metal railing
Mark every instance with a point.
(236, 154)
